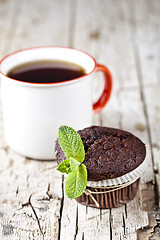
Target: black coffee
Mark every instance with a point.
(46, 71)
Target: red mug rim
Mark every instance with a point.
(54, 83)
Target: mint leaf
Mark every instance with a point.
(76, 182)
(72, 146)
(64, 167)
(71, 143)
(74, 164)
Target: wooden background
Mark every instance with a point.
(125, 36)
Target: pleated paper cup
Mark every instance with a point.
(114, 192)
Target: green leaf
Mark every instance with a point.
(74, 164)
(71, 143)
(64, 167)
(72, 146)
(76, 182)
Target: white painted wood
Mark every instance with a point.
(124, 35)
(30, 208)
(24, 196)
(125, 109)
(68, 219)
(129, 116)
(38, 23)
(7, 11)
(147, 30)
(94, 223)
(152, 96)
(108, 36)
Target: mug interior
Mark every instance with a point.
(47, 53)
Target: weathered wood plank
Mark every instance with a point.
(118, 34)
(103, 31)
(93, 223)
(129, 116)
(9, 13)
(68, 219)
(31, 207)
(152, 96)
(147, 54)
(147, 31)
(38, 23)
(106, 42)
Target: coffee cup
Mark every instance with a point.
(33, 111)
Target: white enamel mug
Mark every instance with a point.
(33, 112)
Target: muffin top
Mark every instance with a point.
(109, 152)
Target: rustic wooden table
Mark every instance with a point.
(124, 35)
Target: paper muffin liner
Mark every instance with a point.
(108, 198)
(126, 178)
(112, 193)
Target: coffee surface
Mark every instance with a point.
(47, 71)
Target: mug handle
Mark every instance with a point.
(97, 106)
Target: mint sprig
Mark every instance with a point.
(64, 167)
(76, 182)
(72, 146)
(71, 143)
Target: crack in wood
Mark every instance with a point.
(157, 186)
(82, 235)
(110, 223)
(156, 171)
(27, 179)
(34, 211)
(49, 196)
(17, 190)
(149, 204)
(61, 208)
(48, 192)
(86, 210)
(154, 201)
(94, 217)
(29, 215)
(156, 192)
(76, 228)
(125, 209)
(124, 225)
(100, 215)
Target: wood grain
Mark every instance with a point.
(123, 35)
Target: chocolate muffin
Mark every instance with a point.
(114, 159)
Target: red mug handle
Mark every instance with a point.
(97, 107)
